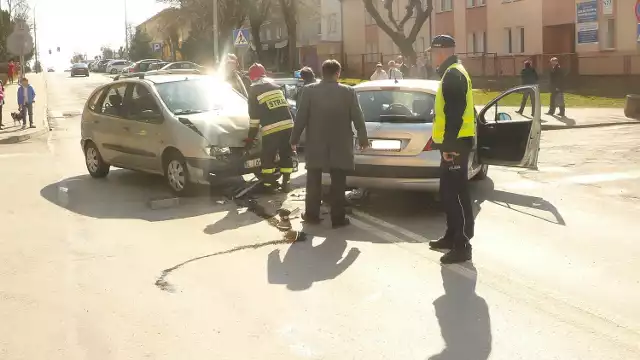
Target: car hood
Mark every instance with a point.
(221, 128)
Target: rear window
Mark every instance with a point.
(397, 106)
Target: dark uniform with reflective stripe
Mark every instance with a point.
(269, 112)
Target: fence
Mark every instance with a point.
(491, 65)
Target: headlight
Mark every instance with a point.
(218, 151)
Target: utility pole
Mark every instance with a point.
(35, 40)
(215, 31)
(126, 31)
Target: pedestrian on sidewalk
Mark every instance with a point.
(394, 73)
(26, 98)
(528, 76)
(556, 82)
(453, 132)
(11, 71)
(1, 103)
(379, 73)
(327, 111)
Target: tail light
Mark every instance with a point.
(131, 70)
(429, 145)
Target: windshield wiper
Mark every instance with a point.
(188, 112)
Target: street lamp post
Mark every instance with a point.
(126, 31)
(35, 39)
(215, 31)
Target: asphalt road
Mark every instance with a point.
(555, 272)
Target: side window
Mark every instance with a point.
(143, 105)
(113, 102)
(96, 101)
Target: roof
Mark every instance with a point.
(406, 84)
(165, 78)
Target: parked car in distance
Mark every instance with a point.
(116, 66)
(79, 69)
(142, 65)
(189, 128)
(157, 65)
(51, 69)
(401, 155)
(183, 65)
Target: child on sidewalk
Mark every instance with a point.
(26, 98)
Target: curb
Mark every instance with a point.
(586, 126)
(14, 139)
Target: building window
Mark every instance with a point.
(471, 40)
(609, 35)
(520, 47)
(368, 20)
(445, 5)
(319, 25)
(280, 32)
(479, 41)
(508, 41)
(475, 3)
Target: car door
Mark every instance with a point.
(509, 129)
(145, 137)
(109, 125)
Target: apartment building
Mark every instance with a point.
(590, 36)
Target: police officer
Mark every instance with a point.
(269, 112)
(454, 129)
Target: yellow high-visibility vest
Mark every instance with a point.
(468, 127)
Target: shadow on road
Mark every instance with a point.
(567, 121)
(463, 316)
(304, 264)
(484, 191)
(126, 194)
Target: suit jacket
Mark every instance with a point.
(327, 111)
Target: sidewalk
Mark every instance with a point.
(13, 133)
(576, 117)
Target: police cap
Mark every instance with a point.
(443, 42)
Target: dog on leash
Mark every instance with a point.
(17, 117)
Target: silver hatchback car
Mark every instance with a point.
(188, 128)
(399, 118)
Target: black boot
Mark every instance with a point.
(286, 184)
(444, 243)
(551, 111)
(458, 254)
(561, 113)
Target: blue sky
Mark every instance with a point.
(85, 25)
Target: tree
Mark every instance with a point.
(199, 13)
(290, 13)
(107, 52)
(18, 9)
(140, 46)
(258, 10)
(122, 53)
(37, 67)
(77, 57)
(396, 29)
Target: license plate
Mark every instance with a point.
(385, 144)
(253, 163)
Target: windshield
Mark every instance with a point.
(194, 96)
(79, 65)
(397, 106)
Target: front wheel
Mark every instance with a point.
(96, 166)
(177, 174)
(114, 71)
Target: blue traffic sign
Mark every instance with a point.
(241, 37)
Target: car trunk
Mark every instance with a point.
(397, 138)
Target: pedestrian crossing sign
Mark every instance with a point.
(241, 37)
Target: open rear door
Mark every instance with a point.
(509, 129)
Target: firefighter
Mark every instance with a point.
(269, 113)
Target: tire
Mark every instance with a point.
(482, 174)
(177, 174)
(96, 166)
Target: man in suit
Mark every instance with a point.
(326, 110)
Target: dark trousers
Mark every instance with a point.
(27, 109)
(554, 102)
(454, 192)
(276, 144)
(336, 197)
(523, 103)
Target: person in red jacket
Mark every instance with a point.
(11, 70)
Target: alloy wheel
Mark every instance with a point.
(176, 175)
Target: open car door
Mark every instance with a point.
(509, 129)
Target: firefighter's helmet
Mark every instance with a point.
(256, 71)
